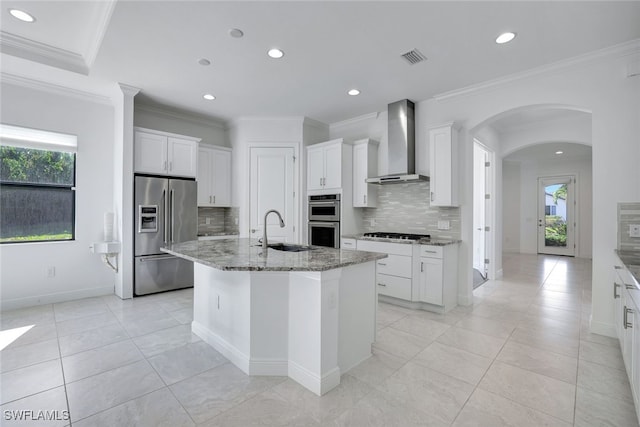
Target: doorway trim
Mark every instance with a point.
(490, 209)
(572, 213)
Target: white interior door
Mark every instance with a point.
(272, 182)
(480, 189)
(556, 215)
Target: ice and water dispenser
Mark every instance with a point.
(148, 218)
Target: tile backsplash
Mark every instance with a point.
(628, 213)
(406, 208)
(217, 220)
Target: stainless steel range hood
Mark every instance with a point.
(402, 145)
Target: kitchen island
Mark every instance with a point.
(309, 315)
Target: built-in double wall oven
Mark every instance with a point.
(324, 220)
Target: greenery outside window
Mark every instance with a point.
(37, 185)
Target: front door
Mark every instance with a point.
(556, 215)
(272, 183)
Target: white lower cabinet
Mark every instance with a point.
(347, 243)
(627, 319)
(423, 275)
(393, 274)
(439, 275)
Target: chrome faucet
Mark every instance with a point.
(264, 237)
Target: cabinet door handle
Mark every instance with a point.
(164, 166)
(432, 196)
(625, 321)
(615, 294)
(214, 200)
(629, 287)
(170, 166)
(381, 284)
(421, 267)
(430, 252)
(365, 199)
(209, 199)
(382, 264)
(320, 182)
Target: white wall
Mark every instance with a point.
(79, 273)
(511, 206)
(210, 131)
(529, 196)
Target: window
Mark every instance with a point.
(550, 210)
(37, 185)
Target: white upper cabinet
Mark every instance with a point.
(162, 153)
(324, 165)
(365, 165)
(443, 161)
(214, 176)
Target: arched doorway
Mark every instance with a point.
(506, 134)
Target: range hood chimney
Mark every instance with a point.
(402, 145)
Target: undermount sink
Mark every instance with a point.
(287, 247)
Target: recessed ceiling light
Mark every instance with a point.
(208, 97)
(21, 15)
(505, 37)
(354, 92)
(275, 53)
(236, 33)
(204, 62)
(559, 152)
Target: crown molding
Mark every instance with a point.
(180, 115)
(54, 88)
(42, 53)
(306, 121)
(105, 11)
(620, 50)
(355, 120)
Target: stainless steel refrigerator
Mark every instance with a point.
(165, 212)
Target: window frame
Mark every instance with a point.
(42, 143)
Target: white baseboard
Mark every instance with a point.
(269, 367)
(16, 303)
(600, 328)
(308, 379)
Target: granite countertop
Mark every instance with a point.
(631, 260)
(247, 255)
(431, 242)
(216, 233)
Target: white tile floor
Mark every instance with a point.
(521, 356)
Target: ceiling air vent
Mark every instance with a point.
(414, 56)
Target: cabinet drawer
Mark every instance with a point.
(395, 265)
(397, 287)
(385, 247)
(348, 244)
(431, 251)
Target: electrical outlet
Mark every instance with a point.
(207, 221)
(372, 221)
(444, 225)
(235, 221)
(634, 230)
(51, 271)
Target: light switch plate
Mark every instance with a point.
(634, 230)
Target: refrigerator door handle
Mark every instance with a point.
(171, 213)
(164, 220)
(148, 258)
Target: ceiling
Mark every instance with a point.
(547, 152)
(518, 120)
(330, 47)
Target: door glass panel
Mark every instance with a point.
(555, 215)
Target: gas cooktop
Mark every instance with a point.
(401, 236)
